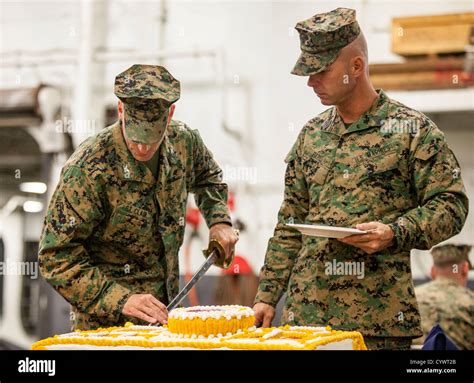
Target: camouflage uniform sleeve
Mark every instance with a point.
(285, 244)
(73, 215)
(442, 201)
(210, 193)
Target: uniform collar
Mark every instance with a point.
(374, 117)
(446, 281)
(133, 170)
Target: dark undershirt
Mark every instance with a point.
(152, 163)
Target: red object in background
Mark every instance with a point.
(231, 201)
(238, 266)
(193, 217)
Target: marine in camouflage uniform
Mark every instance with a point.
(445, 300)
(112, 229)
(342, 175)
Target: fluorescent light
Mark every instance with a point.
(32, 206)
(33, 187)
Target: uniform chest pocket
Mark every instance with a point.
(315, 170)
(383, 167)
(127, 221)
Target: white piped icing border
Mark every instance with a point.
(215, 312)
(151, 337)
(133, 336)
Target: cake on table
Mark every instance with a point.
(206, 328)
(210, 320)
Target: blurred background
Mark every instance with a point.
(233, 58)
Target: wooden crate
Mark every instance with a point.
(432, 35)
(422, 74)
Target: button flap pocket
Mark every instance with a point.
(175, 205)
(382, 163)
(135, 219)
(315, 170)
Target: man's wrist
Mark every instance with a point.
(396, 233)
(227, 223)
(266, 298)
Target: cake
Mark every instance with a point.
(206, 328)
(210, 320)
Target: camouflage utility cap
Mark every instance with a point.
(147, 92)
(451, 253)
(322, 37)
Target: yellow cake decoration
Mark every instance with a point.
(210, 320)
(207, 328)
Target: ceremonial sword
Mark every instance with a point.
(212, 257)
(215, 254)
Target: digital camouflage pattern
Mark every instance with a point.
(451, 254)
(371, 171)
(445, 302)
(112, 230)
(322, 37)
(387, 343)
(147, 92)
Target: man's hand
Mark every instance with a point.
(263, 314)
(379, 238)
(226, 236)
(146, 307)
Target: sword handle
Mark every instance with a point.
(222, 262)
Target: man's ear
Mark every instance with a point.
(358, 66)
(171, 112)
(465, 269)
(434, 274)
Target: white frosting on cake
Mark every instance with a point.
(92, 347)
(296, 328)
(346, 344)
(216, 312)
(162, 339)
(272, 333)
(134, 337)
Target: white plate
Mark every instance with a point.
(326, 231)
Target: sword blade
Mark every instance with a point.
(193, 281)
